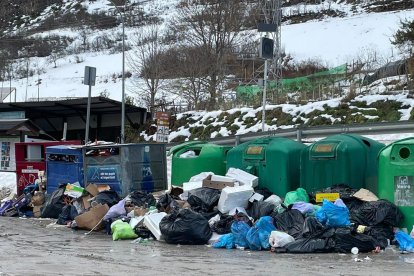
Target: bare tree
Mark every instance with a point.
(212, 26)
(184, 65)
(146, 63)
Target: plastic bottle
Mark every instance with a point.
(354, 250)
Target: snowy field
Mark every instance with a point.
(333, 41)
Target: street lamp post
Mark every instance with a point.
(123, 71)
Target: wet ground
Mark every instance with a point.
(28, 247)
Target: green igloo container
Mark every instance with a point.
(396, 177)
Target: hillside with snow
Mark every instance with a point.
(338, 33)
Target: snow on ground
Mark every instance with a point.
(332, 40)
(7, 183)
(340, 40)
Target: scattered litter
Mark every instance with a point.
(367, 258)
(355, 250)
(358, 260)
(409, 260)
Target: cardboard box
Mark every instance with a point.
(86, 202)
(73, 190)
(36, 211)
(92, 189)
(92, 219)
(243, 177)
(219, 185)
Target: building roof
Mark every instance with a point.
(17, 126)
(70, 107)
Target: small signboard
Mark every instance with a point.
(404, 191)
(90, 76)
(163, 129)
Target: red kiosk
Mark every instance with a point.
(30, 159)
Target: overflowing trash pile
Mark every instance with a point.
(225, 212)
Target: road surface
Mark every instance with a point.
(28, 247)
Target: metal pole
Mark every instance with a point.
(123, 81)
(264, 96)
(123, 71)
(88, 115)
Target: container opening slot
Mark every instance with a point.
(366, 142)
(404, 153)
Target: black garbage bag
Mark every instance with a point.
(107, 197)
(381, 233)
(203, 199)
(209, 215)
(290, 221)
(143, 232)
(260, 209)
(69, 213)
(264, 192)
(142, 199)
(345, 240)
(176, 192)
(166, 203)
(311, 228)
(311, 245)
(344, 191)
(381, 212)
(185, 226)
(54, 204)
(353, 204)
(223, 226)
(243, 217)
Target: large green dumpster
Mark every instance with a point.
(274, 160)
(396, 177)
(340, 159)
(208, 158)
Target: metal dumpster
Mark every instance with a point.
(64, 164)
(31, 158)
(127, 167)
(340, 159)
(207, 158)
(275, 160)
(396, 177)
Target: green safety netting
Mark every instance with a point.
(300, 83)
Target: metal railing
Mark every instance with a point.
(301, 133)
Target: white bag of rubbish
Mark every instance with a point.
(280, 239)
(244, 178)
(200, 176)
(232, 197)
(188, 154)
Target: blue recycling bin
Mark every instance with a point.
(127, 167)
(64, 164)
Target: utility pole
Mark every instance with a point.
(122, 14)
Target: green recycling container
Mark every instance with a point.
(340, 159)
(205, 157)
(396, 177)
(275, 160)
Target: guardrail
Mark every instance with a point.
(300, 133)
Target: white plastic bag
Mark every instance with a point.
(280, 239)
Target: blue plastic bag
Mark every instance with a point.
(239, 229)
(226, 241)
(333, 215)
(405, 241)
(258, 235)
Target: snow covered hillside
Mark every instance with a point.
(334, 41)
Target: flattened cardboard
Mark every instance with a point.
(92, 189)
(218, 185)
(85, 202)
(92, 218)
